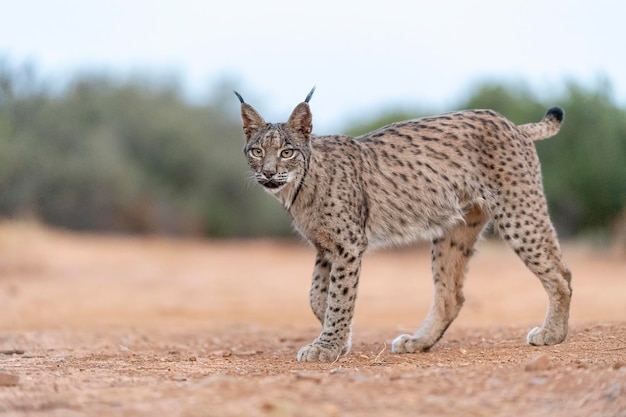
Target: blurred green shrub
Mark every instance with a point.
(135, 156)
(126, 156)
(584, 166)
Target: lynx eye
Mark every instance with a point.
(256, 152)
(287, 153)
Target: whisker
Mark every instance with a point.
(249, 181)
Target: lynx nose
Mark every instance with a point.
(269, 172)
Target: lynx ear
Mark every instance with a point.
(301, 119)
(252, 121)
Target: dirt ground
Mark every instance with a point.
(125, 326)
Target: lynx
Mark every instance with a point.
(440, 178)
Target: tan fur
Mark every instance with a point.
(438, 178)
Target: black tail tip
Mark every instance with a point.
(556, 112)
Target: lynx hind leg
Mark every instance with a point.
(534, 240)
(450, 256)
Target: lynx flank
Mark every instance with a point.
(438, 178)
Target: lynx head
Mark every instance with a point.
(278, 153)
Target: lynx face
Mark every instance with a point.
(276, 156)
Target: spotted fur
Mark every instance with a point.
(438, 178)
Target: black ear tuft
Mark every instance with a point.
(308, 96)
(239, 97)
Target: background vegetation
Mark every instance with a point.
(136, 156)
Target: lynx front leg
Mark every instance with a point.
(335, 338)
(450, 255)
(319, 286)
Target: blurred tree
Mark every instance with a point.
(584, 166)
(514, 101)
(135, 156)
(384, 118)
(126, 156)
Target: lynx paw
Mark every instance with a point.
(540, 336)
(407, 343)
(316, 353)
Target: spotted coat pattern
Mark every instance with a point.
(440, 178)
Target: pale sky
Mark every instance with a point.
(362, 55)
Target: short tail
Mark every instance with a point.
(546, 128)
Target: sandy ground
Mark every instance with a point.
(123, 326)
